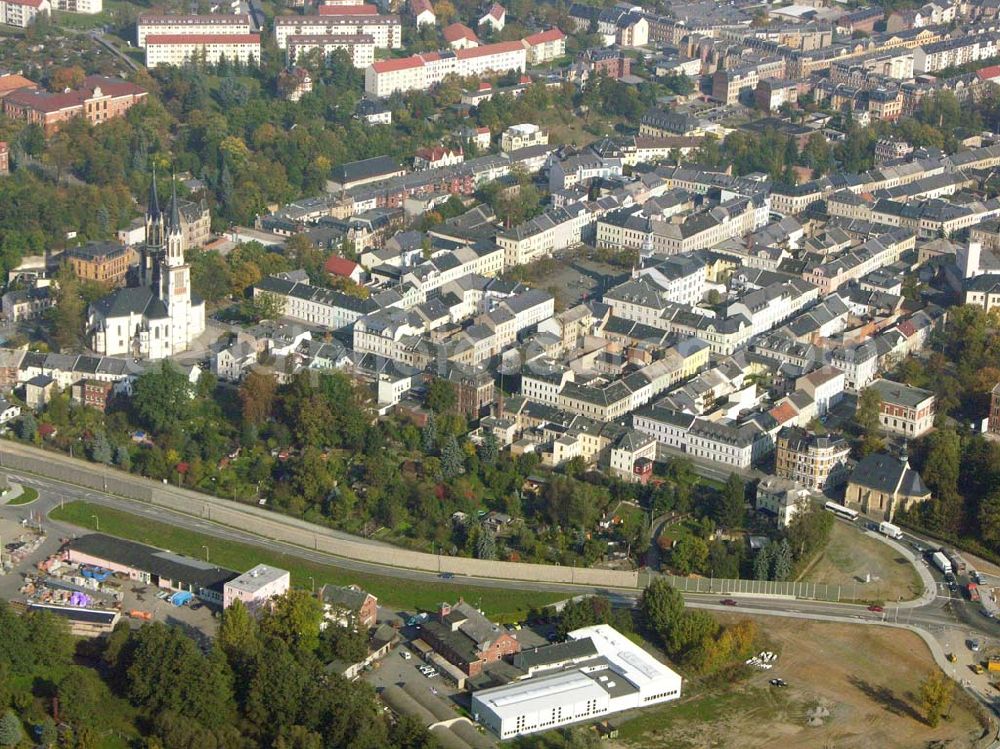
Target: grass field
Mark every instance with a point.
(27, 495)
(851, 555)
(866, 677)
(505, 605)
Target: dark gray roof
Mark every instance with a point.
(132, 300)
(353, 171)
(562, 652)
(164, 564)
(890, 475)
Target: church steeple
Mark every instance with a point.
(174, 238)
(153, 204)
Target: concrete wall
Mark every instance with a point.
(261, 522)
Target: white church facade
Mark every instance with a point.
(158, 317)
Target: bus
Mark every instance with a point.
(840, 511)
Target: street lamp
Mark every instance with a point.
(97, 522)
(206, 552)
(312, 584)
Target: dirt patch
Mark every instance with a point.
(851, 556)
(850, 687)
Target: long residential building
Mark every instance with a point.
(735, 445)
(420, 72)
(208, 49)
(314, 305)
(385, 30)
(214, 24)
(22, 13)
(359, 47)
(99, 99)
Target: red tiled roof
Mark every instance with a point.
(203, 39)
(457, 31)
(489, 49)
(339, 266)
(29, 3)
(985, 74)
(482, 130)
(485, 86)
(544, 36)
(783, 412)
(400, 63)
(348, 10)
(13, 82)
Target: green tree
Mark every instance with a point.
(867, 418)
(762, 563)
(28, 427)
(732, 504)
(264, 306)
(688, 634)
(294, 618)
(342, 643)
(689, 554)
(100, 449)
(660, 606)
(238, 635)
(441, 396)
(11, 732)
(486, 544)
(782, 562)
(123, 459)
(451, 458)
(489, 450)
(162, 397)
(429, 434)
(82, 697)
(936, 692)
(989, 518)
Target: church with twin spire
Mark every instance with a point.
(156, 315)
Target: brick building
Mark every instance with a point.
(99, 99)
(466, 638)
(349, 606)
(94, 393)
(610, 62)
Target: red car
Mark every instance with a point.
(876, 609)
(727, 602)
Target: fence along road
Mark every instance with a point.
(272, 525)
(260, 522)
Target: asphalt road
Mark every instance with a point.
(941, 613)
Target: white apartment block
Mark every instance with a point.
(22, 13)
(523, 136)
(360, 48)
(385, 30)
(210, 49)
(420, 72)
(553, 231)
(314, 305)
(545, 46)
(87, 7)
(212, 24)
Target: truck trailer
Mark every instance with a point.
(890, 530)
(941, 562)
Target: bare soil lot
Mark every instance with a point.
(851, 555)
(865, 677)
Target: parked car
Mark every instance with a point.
(976, 668)
(430, 674)
(778, 683)
(974, 646)
(406, 654)
(727, 602)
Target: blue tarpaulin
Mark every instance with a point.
(180, 598)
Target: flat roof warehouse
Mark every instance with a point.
(597, 673)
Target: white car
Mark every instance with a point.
(406, 655)
(430, 674)
(424, 669)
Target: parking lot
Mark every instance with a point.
(196, 617)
